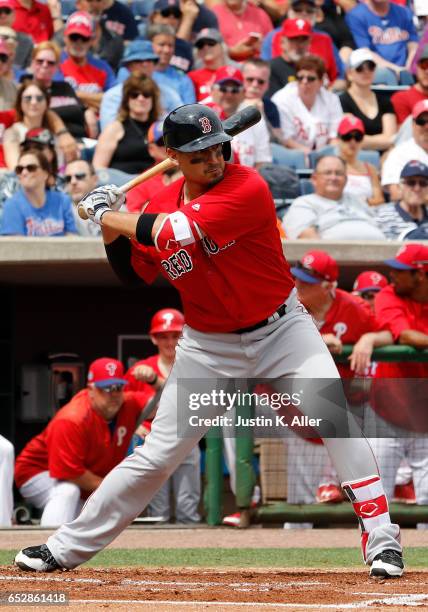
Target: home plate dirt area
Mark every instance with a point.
(190, 589)
(219, 589)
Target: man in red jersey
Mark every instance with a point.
(149, 375)
(397, 396)
(341, 319)
(243, 320)
(86, 438)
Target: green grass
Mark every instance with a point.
(239, 557)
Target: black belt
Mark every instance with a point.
(280, 312)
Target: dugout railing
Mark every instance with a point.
(280, 511)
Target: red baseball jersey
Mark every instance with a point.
(237, 275)
(401, 402)
(7, 118)
(397, 314)
(138, 196)
(139, 387)
(348, 319)
(88, 77)
(35, 21)
(79, 439)
(202, 80)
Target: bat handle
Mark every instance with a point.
(164, 165)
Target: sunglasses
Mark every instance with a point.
(369, 295)
(205, 43)
(112, 388)
(233, 89)
(3, 58)
(357, 136)
(308, 78)
(40, 62)
(370, 66)
(421, 121)
(412, 182)
(423, 64)
(37, 97)
(29, 168)
(171, 12)
(252, 79)
(5, 11)
(78, 37)
(136, 94)
(79, 176)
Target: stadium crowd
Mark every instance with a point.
(342, 86)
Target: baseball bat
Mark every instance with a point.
(235, 124)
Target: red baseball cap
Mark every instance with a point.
(410, 257)
(292, 28)
(79, 22)
(350, 123)
(8, 4)
(106, 371)
(167, 320)
(229, 73)
(315, 267)
(370, 280)
(419, 108)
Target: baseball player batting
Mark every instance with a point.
(213, 235)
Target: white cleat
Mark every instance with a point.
(387, 564)
(36, 559)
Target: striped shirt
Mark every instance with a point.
(396, 222)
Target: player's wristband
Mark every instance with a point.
(143, 231)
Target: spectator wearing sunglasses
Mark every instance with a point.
(80, 178)
(388, 31)
(329, 213)
(33, 18)
(169, 13)
(400, 219)
(37, 210)
(106, 45)
(414, 148)
(211, 55)
(88, 437)
(252, 147)
(404, 101)
(309, 112)
(374, 109)
(24, 42)
(163, 38)
(123, 143)
(138, 196)
(89, 76)
(363, 180)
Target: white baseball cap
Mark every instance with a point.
(420, 8)
(358, 57)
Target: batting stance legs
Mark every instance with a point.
(289, 347)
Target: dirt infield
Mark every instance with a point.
(186, 589)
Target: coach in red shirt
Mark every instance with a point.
(83, 442)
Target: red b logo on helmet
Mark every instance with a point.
(205, 125)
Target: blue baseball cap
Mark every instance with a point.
(414, 168)
(139, 51)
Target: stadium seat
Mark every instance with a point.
(314, 155)
(287, 157)
(384, 76)
(306, 186)
(370, 157)
(67, 7)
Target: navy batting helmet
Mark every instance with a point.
(193, 127)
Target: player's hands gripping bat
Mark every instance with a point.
(91, 206)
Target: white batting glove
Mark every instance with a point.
(100, 200)
(115, 198)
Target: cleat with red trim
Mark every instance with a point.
(329, 494)
(387, 564)
(232, 520)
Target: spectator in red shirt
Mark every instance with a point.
(404, 101)
(86, 438)
(210, 52)
(138, 196)
(33, 18)
(243, 26)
